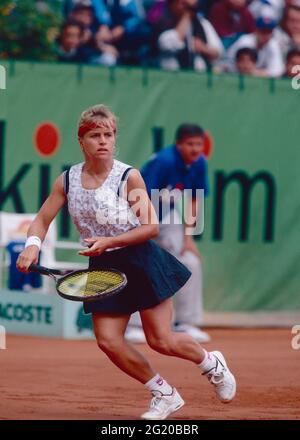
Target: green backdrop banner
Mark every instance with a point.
(251, 239)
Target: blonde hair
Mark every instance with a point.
(98, 115)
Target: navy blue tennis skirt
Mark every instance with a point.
(153, 275)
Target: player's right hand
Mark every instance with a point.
(27, 257)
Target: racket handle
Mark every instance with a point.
(40, 269)
(46, 271)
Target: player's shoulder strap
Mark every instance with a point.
(123, 180)
(66, 177)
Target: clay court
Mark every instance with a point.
(57, 379)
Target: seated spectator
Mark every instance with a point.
(245, 61)
(122, 27)
(292, 60)
(269, 61)
(85, 15)
(288, 34)
(70, 43)
(184, 39)
(231, 19)
(97, 52)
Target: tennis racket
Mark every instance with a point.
(84, 285)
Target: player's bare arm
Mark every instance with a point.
(40, 224)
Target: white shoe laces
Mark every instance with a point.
(216, 377)
(157, 400)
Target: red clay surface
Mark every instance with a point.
(56, 379)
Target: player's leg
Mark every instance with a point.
(157, 326)
(109, 331)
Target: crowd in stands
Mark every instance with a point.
(251, 37)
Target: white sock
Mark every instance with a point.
(208, 362)
(157, 383)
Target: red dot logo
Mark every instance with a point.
(46, 139)
(179, 186)
(208, 145)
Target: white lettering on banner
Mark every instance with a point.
(27, 313)
(2, 338)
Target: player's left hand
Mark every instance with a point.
(97, 245)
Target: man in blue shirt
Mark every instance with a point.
(180, 167)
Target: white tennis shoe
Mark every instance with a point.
(162, 405)
(221, 377)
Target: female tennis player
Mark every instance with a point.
(109, 205)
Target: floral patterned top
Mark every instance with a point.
(101, 211)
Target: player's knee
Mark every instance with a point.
(108, 344)
(159, 343)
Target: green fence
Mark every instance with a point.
(250, 244)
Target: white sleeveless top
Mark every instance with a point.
(100, 212)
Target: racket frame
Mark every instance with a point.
(67, 273)
(92, 298)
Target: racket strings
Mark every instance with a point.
(91, 283)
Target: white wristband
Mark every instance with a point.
(33, 240)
